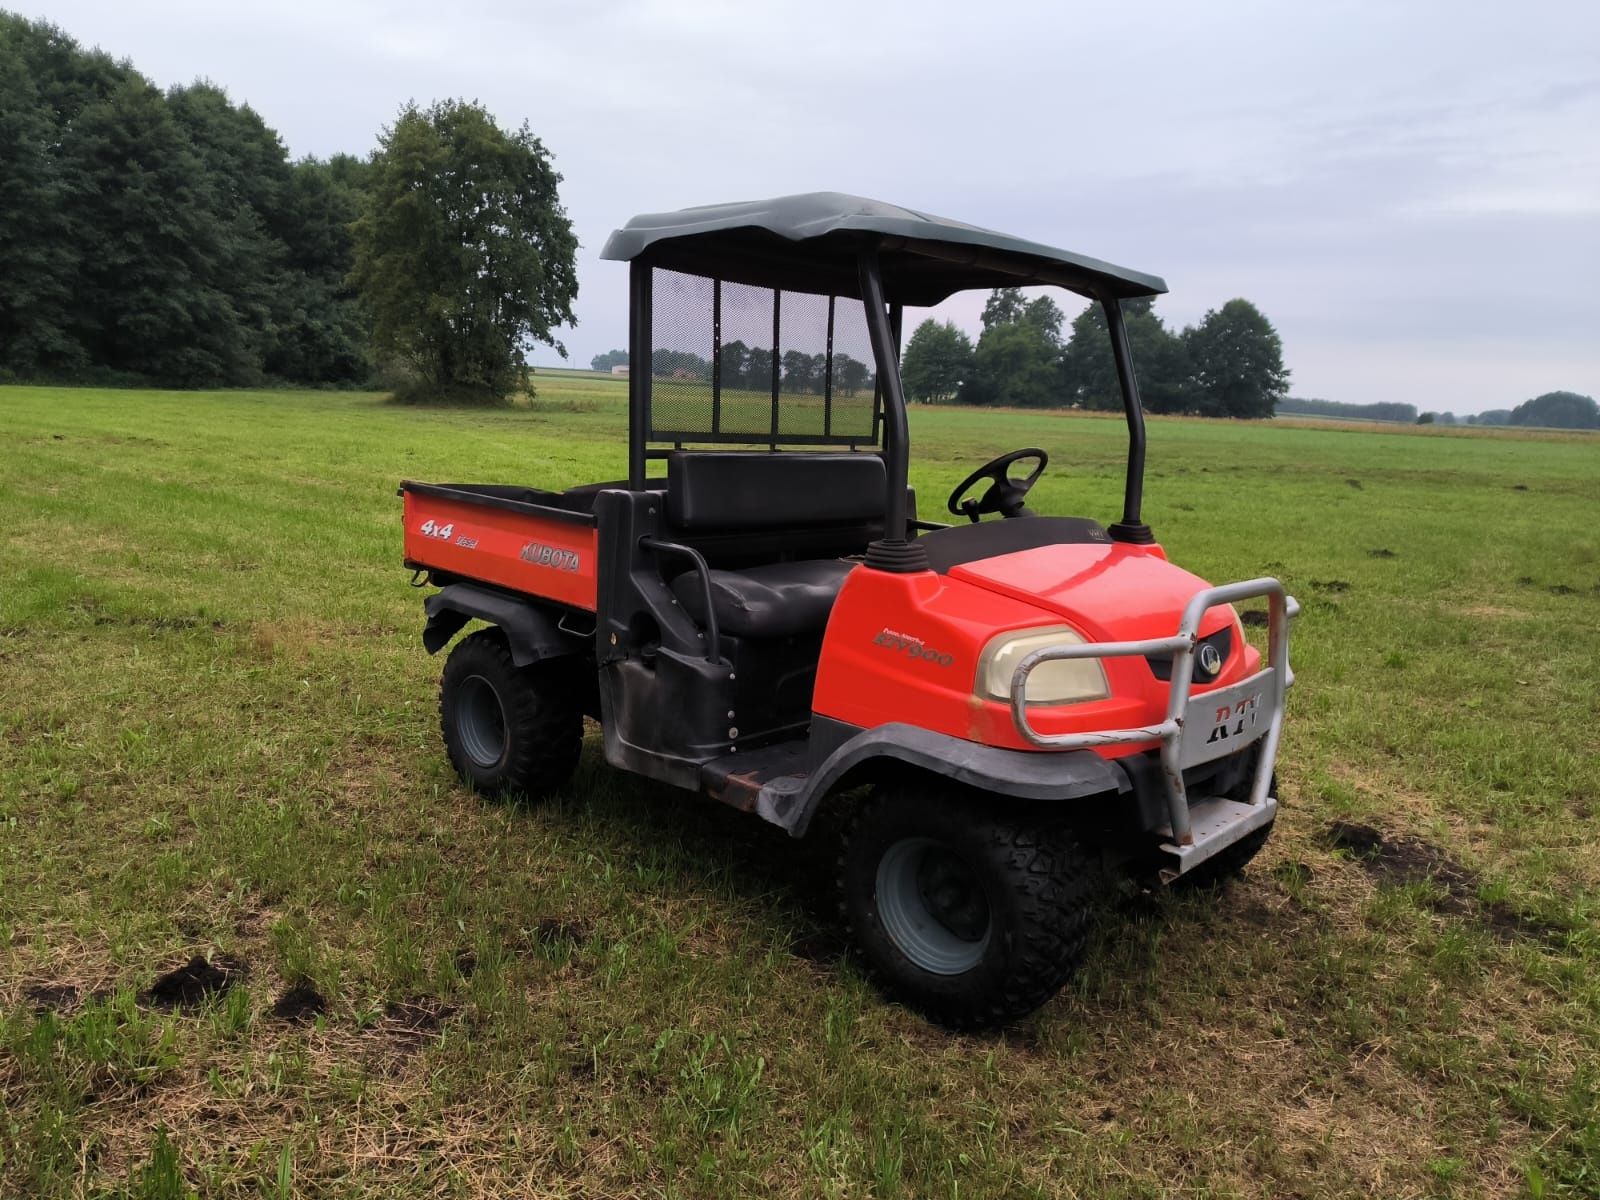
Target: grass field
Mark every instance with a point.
(218, 739)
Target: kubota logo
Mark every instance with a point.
(912, 647)
(541, 555)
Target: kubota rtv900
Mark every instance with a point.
(774, 626)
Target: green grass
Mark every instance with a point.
(218, 737)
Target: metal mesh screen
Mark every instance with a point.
(682, 341)
(736, 363)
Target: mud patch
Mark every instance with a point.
(1381, 552)
(1400, 860)
(1355, 483)
(1519, 487)
(1506, 923)
(411, 1024)
(1332, 586)
(302, 1002)
(190, 985)
(1561, 589)
(52, 997)
(1254, 619)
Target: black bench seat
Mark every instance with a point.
(775, 600)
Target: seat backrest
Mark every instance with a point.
(728, 491)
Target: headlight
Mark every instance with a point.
(1060, 681)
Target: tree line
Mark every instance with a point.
(164, 236)
(749, 368)
(1228, 365)
(1552, 410)
(167, 238)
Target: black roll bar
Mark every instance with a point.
(1132, 527)
(896, 432)
(639, 349)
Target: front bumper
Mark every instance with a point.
(1196, 729)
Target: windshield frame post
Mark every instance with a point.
(892, 552)
(1131, 528)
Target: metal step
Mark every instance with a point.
(1217, 824)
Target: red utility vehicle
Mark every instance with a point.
(1027, 698)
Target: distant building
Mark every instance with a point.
(620, 370)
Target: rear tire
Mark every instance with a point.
(509, 730)
(968, 908)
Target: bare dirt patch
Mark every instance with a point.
(190, 985)
(410, 1024)
(52, 997)
(1400, 860)
(300, 1002)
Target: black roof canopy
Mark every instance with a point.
(810, 242)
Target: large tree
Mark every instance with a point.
(1018, 358)
(464, 255)
(1160, 361)
(1237, 359)
(938, 361)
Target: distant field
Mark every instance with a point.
(218, 737)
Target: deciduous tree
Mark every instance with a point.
(1237, 359)
(938, 361)
(464, 255)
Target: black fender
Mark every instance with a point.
(532, 633)
(791, 801)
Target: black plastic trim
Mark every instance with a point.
(1024, 774)
(896, 556)
(533, 634)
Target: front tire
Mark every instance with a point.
(970, 909)
(509, 730)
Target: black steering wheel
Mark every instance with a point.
(1005, 494)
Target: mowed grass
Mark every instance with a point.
(218, 738)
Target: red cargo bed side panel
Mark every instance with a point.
(549, 557)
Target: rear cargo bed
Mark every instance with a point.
(531, 541)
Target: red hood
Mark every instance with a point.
(1111, 593)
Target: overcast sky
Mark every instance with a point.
(1410, 191)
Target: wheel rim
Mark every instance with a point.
(481, 722)
(933, 907)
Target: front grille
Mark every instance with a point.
(1161, 665)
